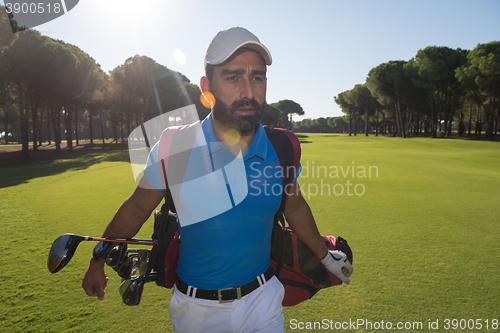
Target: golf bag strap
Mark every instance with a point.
(173, 136)
(163, 153)
(287, 148)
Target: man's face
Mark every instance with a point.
(239, 87)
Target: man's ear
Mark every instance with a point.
(204, 84)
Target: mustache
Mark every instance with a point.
(246, 102)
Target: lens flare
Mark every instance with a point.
(207, 99)
(180, 57)
(231, 135)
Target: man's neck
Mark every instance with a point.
(229, 137)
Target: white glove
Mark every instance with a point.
(336, 262)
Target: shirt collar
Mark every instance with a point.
(258, 147)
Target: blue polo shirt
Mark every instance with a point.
(233, 247)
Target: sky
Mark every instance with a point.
(319, 48)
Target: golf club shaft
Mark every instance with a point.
(120, 240)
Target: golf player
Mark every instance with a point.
(232, 249)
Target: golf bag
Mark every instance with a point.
(165, 252)
(297, 267)
(158, 264)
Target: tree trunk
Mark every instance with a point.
(40, 124)
(492, 116)
(56, 126)
(461, 126)
(76, 127)
(5, 131)
(91, 128)
(34, 118)
(416, 132)
(433, 119)
(399, 118)
(440, 109)
(350, 123)
(496, 120)
(121, 129)
(409, 119)
(68, 118)
(356, 118)
(115, 131)
(366, 122)
(129, 130)
(24, 122)
(478, 122)
(102, 128)
(49, 138)
(470, 118)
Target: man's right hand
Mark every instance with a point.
(95, 280)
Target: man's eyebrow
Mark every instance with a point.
(232, 72)
(258, 72)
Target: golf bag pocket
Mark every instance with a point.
(165, 252)
(298, 269)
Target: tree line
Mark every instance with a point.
(430, 94)
(52, 91)
(47, 87)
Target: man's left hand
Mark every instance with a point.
(338, 264)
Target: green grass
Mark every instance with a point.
(424, 233)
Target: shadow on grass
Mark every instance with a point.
(15, 171)
(302, 138)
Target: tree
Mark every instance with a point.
(340, 123)
(485, 64)
(467, 75)
(288, 107)
(386, 81)
(193, 93)
(10, 121)
(145, 89)
(8, 29)
(270, 116)
(17, 66)
(322, 123)
(436, 70)
(361, 97)
(348, 108)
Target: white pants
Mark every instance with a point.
(259, 311)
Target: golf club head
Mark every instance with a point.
(116, 255)
(131, 290)
(124, 270)
(62, 250)
(101, 250)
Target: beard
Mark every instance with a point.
(227, 116)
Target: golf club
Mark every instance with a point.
(131, 289)
(116, 255)
(64, 247)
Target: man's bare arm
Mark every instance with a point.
(127, 221)
(134, 211)
(300, 218)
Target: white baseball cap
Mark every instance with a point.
(226, 42)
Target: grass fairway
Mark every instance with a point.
(421, 216)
